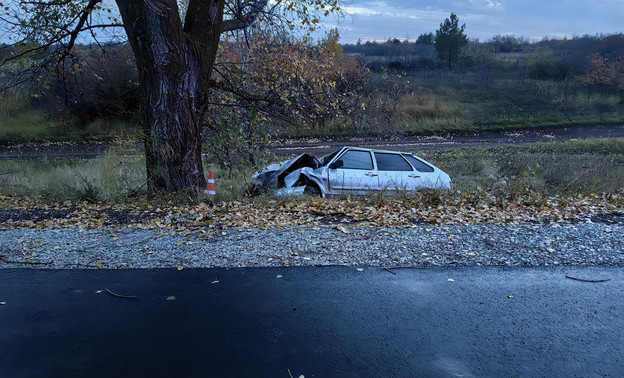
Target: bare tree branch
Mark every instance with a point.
(244, 17)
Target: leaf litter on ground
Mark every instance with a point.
(446, 208)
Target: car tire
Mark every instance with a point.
(313, 190)
(255, 190)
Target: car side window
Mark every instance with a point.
(354, 159)
(419, 165)
(391, 162)
(328, 158)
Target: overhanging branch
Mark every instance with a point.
(73, 35)
(248, 96)
(244, 15)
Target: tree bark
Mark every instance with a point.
(174, 68)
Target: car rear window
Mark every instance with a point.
(354, 159)
(418, 164)
(391, 162)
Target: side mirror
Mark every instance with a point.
(336, 164)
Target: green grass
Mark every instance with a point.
(118, 174)
(112, 177)
(465, 102)
(506, 103)
(25, 126)
(232, 185)
(568, 168)
(427, 103)
(575, 167)
(21, 123)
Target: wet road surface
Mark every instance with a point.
(316, 322)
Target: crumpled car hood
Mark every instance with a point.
(273, 175)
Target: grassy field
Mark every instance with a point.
(566, 168)
(431, 103)
(19, 122)
(569, 168)
(427, 102)
(468, 103)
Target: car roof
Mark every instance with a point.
(376, 150)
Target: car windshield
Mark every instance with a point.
(327, 158)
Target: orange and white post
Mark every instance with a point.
(210, 191)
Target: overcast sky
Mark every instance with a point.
(483, 18)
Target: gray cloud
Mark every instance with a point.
(483, 18)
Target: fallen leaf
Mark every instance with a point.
(451, 280)
(342, 228)
(98, 265)
(171, 298)
(279, 276)
(360, 269)
(510, 296)
(180, 268)
(215, 281)
(2, 303)
(99, 291)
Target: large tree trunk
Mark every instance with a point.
(173, 72)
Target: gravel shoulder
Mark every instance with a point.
(579, 244)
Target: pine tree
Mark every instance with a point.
(450, 39)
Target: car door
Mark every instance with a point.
(423, 176)
(353, 170)
(394, 171)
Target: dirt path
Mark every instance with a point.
(88, 150)
(550, 134)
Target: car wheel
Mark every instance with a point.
(255, 190)
(312, 190)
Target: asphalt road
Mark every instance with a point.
(315, 322)
(90, 150)
(481, 139)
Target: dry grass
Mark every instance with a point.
(116, 175)
(570, 168)
(577, 167)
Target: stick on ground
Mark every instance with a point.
(121, 296)
(388, 270)
(584, 280)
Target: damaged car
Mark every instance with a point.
(352, 170)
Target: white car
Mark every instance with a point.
(352, 170)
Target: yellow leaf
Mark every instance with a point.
(98, 265)
(180, 268)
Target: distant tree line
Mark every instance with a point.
(550, 58)
(103, 84)
(326, 82)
